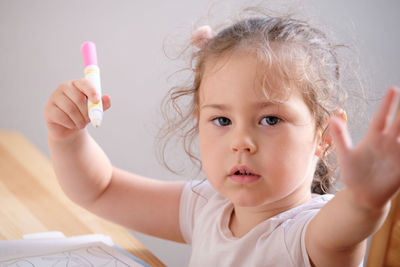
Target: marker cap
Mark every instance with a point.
(89, 53)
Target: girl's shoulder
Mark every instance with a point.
(195, 197)
(305, 210)
(200, 189)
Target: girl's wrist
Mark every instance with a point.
(363, 206)
(69, 143)
(73, 137)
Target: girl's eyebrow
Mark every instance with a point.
(255, 105)
(215, 106)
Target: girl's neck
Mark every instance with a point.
(244, 219)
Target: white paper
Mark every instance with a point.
(88, 255)
(13, 248)
(52, 249)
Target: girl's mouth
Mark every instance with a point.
(241, 174)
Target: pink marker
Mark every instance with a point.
(92, 73)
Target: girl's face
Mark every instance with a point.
(254, 152)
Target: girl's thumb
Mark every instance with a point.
(106, 102)
(340, 136)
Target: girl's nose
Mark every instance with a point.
(244, 142)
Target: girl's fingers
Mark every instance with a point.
(394, 130)
(64, 103)
(68, 107)
(61, 118)
(383, 116)
(87, 88)
(80, 101)
(340, 136)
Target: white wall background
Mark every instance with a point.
(40, 48)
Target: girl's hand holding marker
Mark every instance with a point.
(77, 102)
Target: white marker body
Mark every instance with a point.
(92, 73)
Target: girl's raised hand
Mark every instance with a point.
(371, 169)
(66, 111)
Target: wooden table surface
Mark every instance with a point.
(32, 201)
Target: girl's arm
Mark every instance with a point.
(88, 178)
(371, 174)
(337, 235)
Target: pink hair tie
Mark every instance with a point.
(202, 36)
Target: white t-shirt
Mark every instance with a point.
(279, 241)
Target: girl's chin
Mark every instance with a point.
(247, 200)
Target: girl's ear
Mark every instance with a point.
(341, 114)
(324, 145)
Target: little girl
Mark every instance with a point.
(263, 106)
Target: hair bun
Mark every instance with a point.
(201, 36)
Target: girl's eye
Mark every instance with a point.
(222, 121)
(270, 120)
